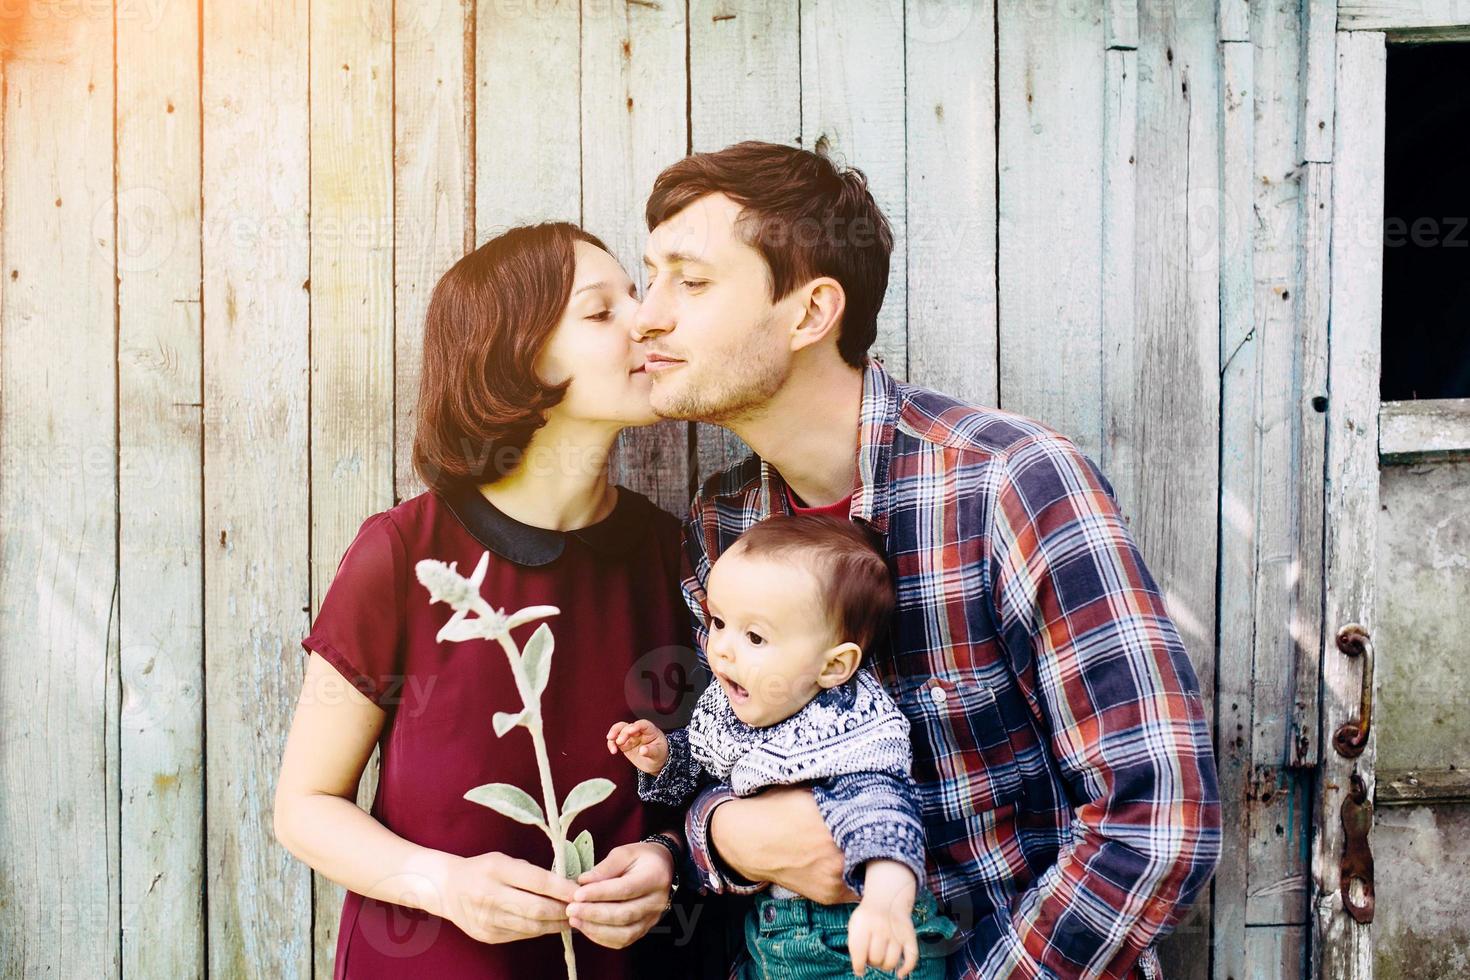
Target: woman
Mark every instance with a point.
(529, 374)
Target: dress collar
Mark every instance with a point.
(877, 421)
(614, 535)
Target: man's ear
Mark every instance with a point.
(841, 663)
(822, 307)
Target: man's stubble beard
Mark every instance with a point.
(748, 377)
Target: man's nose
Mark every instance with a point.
(651, 319)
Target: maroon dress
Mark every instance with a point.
(621, 652)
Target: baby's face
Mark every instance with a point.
(769, 635)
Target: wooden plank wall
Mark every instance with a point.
(218, 252)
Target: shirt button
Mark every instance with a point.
(769, 914)
(938, 694)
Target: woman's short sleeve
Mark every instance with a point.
(359, 629)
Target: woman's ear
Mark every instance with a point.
(821, 312)
(841, 663)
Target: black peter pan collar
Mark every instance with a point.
(614, 535)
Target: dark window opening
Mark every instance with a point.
(1426, 226)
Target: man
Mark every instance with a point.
(1061, 749)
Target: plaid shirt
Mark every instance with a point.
(1064, 763)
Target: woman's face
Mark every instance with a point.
(592, 345)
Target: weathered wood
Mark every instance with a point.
(634, 125)
(1449, 16)
(433, 187)
(1120, 25)
(59, 709)
(1239, 489)
(744, 83)
(1315, 284)
(1434, 429)
(950, 205)
(852, 104)
(1119, 272)
(1276, 952)
(257, 594)
(1274, 226)
(352, 345)
(1417, 787)
(1171, 412)
(1341, 947)
(1050, 87)
(528, 165)
(1319, 65)
(160, 564)
(1278, 800)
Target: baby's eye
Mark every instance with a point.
(716, 623)
(754, 638)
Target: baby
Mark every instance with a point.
(792, 606)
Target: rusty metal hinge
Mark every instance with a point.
(1356, 869)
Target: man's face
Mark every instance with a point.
(717, 347)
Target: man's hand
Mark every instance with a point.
(641, 742)
(778, 835)
(880, 931)
(622, 896)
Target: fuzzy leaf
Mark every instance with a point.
(585, 794)
(571, 860)
(583, 844)
(504, 721)
(460, 628)
(536, 659)
(529, 615)
(511, 801)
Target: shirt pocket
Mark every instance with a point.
(964, 762)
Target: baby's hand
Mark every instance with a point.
(880, 931)
(641, 743)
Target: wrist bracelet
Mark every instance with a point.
(672, 846)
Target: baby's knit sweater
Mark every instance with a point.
(851, 742)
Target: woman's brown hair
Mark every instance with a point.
(480, 400)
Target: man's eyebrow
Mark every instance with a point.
(675, 258)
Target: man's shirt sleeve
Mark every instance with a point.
(1087, 630)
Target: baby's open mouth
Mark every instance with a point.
(735, 691)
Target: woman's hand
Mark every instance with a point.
(641, 742)
(496, 898)
(623, 895)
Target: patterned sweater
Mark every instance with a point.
(851, 742)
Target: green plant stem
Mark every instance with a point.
(554, 830)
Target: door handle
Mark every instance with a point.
(1351, 737)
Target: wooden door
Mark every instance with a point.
(1389, 841)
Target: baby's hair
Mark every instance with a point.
(846, 562)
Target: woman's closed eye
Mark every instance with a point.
(601, 315)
